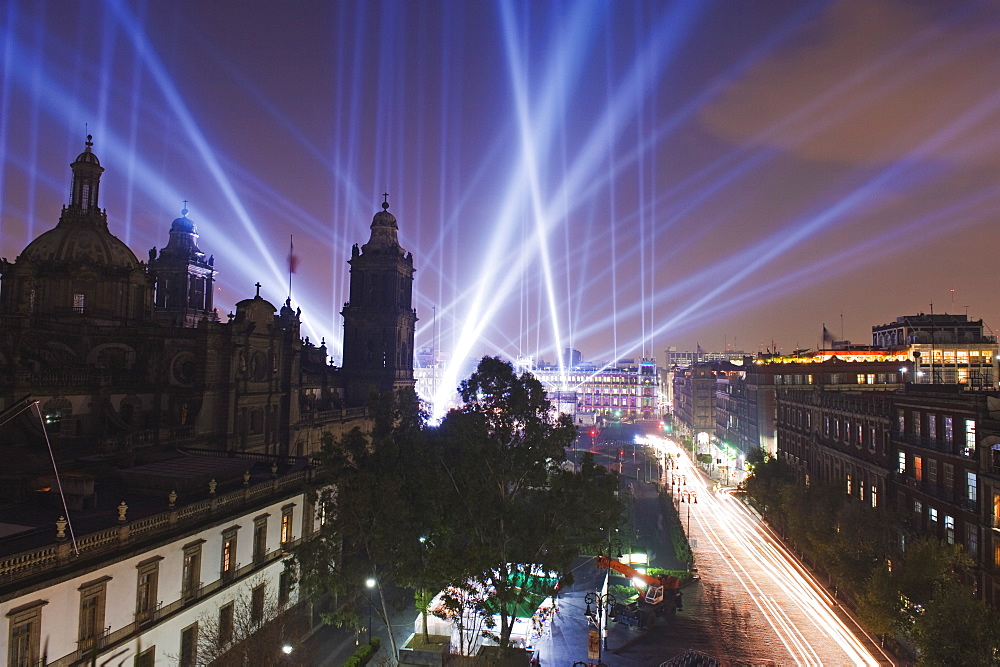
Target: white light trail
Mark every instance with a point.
(801, 613)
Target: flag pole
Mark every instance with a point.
(291, 261)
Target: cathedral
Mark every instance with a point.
(183, 442)
(123, 355)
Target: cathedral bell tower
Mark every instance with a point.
(379, 319)
(184, 278)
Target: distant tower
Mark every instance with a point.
(379, 319)
(184, 278)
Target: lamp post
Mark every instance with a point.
(604, 604)
(370, 583)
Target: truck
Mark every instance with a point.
(658, 596)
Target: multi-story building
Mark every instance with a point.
(694, 394)
(936, 462)
(945, 349)
(842, 369)
(833, 422)
(626, 389)
(168, 447)
(144, 587)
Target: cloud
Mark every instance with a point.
(872, 82)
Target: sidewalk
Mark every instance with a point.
(565, 640)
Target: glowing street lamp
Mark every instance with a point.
(370, 583)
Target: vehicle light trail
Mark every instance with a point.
(759, 576)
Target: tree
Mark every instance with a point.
(957, 629)
(246, 629)
(479, 505)
(516, 512)
(764, 485)
(380, 498)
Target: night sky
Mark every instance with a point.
(618, 177)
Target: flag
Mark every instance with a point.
(827, 336)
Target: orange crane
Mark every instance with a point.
(661, 595)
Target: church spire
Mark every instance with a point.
(87, 172)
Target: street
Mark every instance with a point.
(775, 609)
(753, 603)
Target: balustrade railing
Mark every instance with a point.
(33, 562)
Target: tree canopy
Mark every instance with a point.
(487, 490)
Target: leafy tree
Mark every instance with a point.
(763, 487)
(957, 629)
(926, 566)
(518, 511)
(478, 505)
(380, 499)
(880, 605)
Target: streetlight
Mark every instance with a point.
(370, 583)
(604, 604)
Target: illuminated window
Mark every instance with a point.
(949, 431)
(970, 437)
(971, 486)
(931, 514)
(850, 488)
(902, 422)
(78, 303)
(874, 495)
(996, 511)
(949, 529)
(918, 468)
(917, 507)
(227, 566)
(902, 463)
(286, 523)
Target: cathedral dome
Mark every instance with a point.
(184, 224)
(384, 219)
(81, 244)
